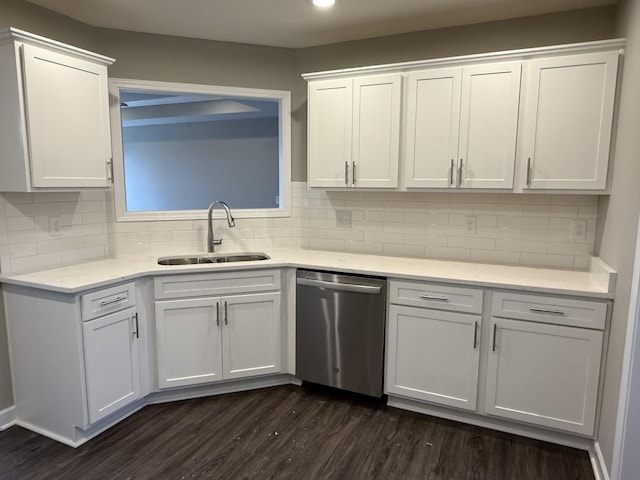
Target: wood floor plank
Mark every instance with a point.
(288, 432)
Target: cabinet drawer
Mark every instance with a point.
(194, 285)
(559, 311)
(436, 296)
(108, 300)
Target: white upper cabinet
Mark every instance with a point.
(329, 137)
(468, 122)
(461, 126)
(488, 125)
(376, 131)
(54, 98)
(568, 120)
(354, 132)
(433, 120)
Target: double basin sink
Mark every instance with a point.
(212, 258)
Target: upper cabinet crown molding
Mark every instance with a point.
(537, 119)
(55, 101)
(502, 56)
(10, 34)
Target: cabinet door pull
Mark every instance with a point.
(546, 311)
(106, 303)
(451, 173)
(495, 329)
(346, 173)
(136, 333)
(434, 298)
(217, 314)
(528, 182)
(353, 174)
(110, 170)
(459, 173)
(475, 335)
(226, 314)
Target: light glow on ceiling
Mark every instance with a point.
(323, 3)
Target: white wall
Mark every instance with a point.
(618, 217)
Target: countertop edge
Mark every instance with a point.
(601, 278)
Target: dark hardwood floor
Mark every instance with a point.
(288, 432)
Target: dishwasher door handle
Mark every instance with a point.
(346, 287)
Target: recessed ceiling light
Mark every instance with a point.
(323, 3)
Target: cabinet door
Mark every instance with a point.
(188, 342)
(67, 114)
(433, 356)
(376, 131)
(329, 132)
(251, 335)
(433, 115)
(568, 120)
(544, 374)
(488, 125)
(111, 363)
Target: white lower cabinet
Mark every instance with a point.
(433, 356)
(111, 362)
(538, 362)
(206, 339)
(433, 343)
(76, 359)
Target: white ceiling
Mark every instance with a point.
(296, 23)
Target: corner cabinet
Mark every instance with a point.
(76, 359)
(213, 327)
(55, 134)
(354, 132)
(568, 121)
(461, 126)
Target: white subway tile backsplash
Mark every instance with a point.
(513, 229)
(403, 250)
(472, 243)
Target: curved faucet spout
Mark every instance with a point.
(211, 242)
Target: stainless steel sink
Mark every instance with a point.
(221, 258)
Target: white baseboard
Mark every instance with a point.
(597, 462)
(7, 418)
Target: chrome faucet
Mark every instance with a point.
(211, 242)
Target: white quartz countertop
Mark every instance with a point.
(598, 281)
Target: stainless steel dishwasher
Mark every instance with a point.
(340, 324)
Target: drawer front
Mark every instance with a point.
(108, 300)
(201, 285)
(436, 296)
(559, 311)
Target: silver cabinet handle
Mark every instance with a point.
(226, 314)
(353, 173)
(451, 172)
(347, 287)
(434, 298)
(475, 335)
(217, 314)
(106, 303)
(495, 331)
(460, 173)
(136, 333)
(528, 181)
(546, 311)
(346, 173)
(110, 176)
